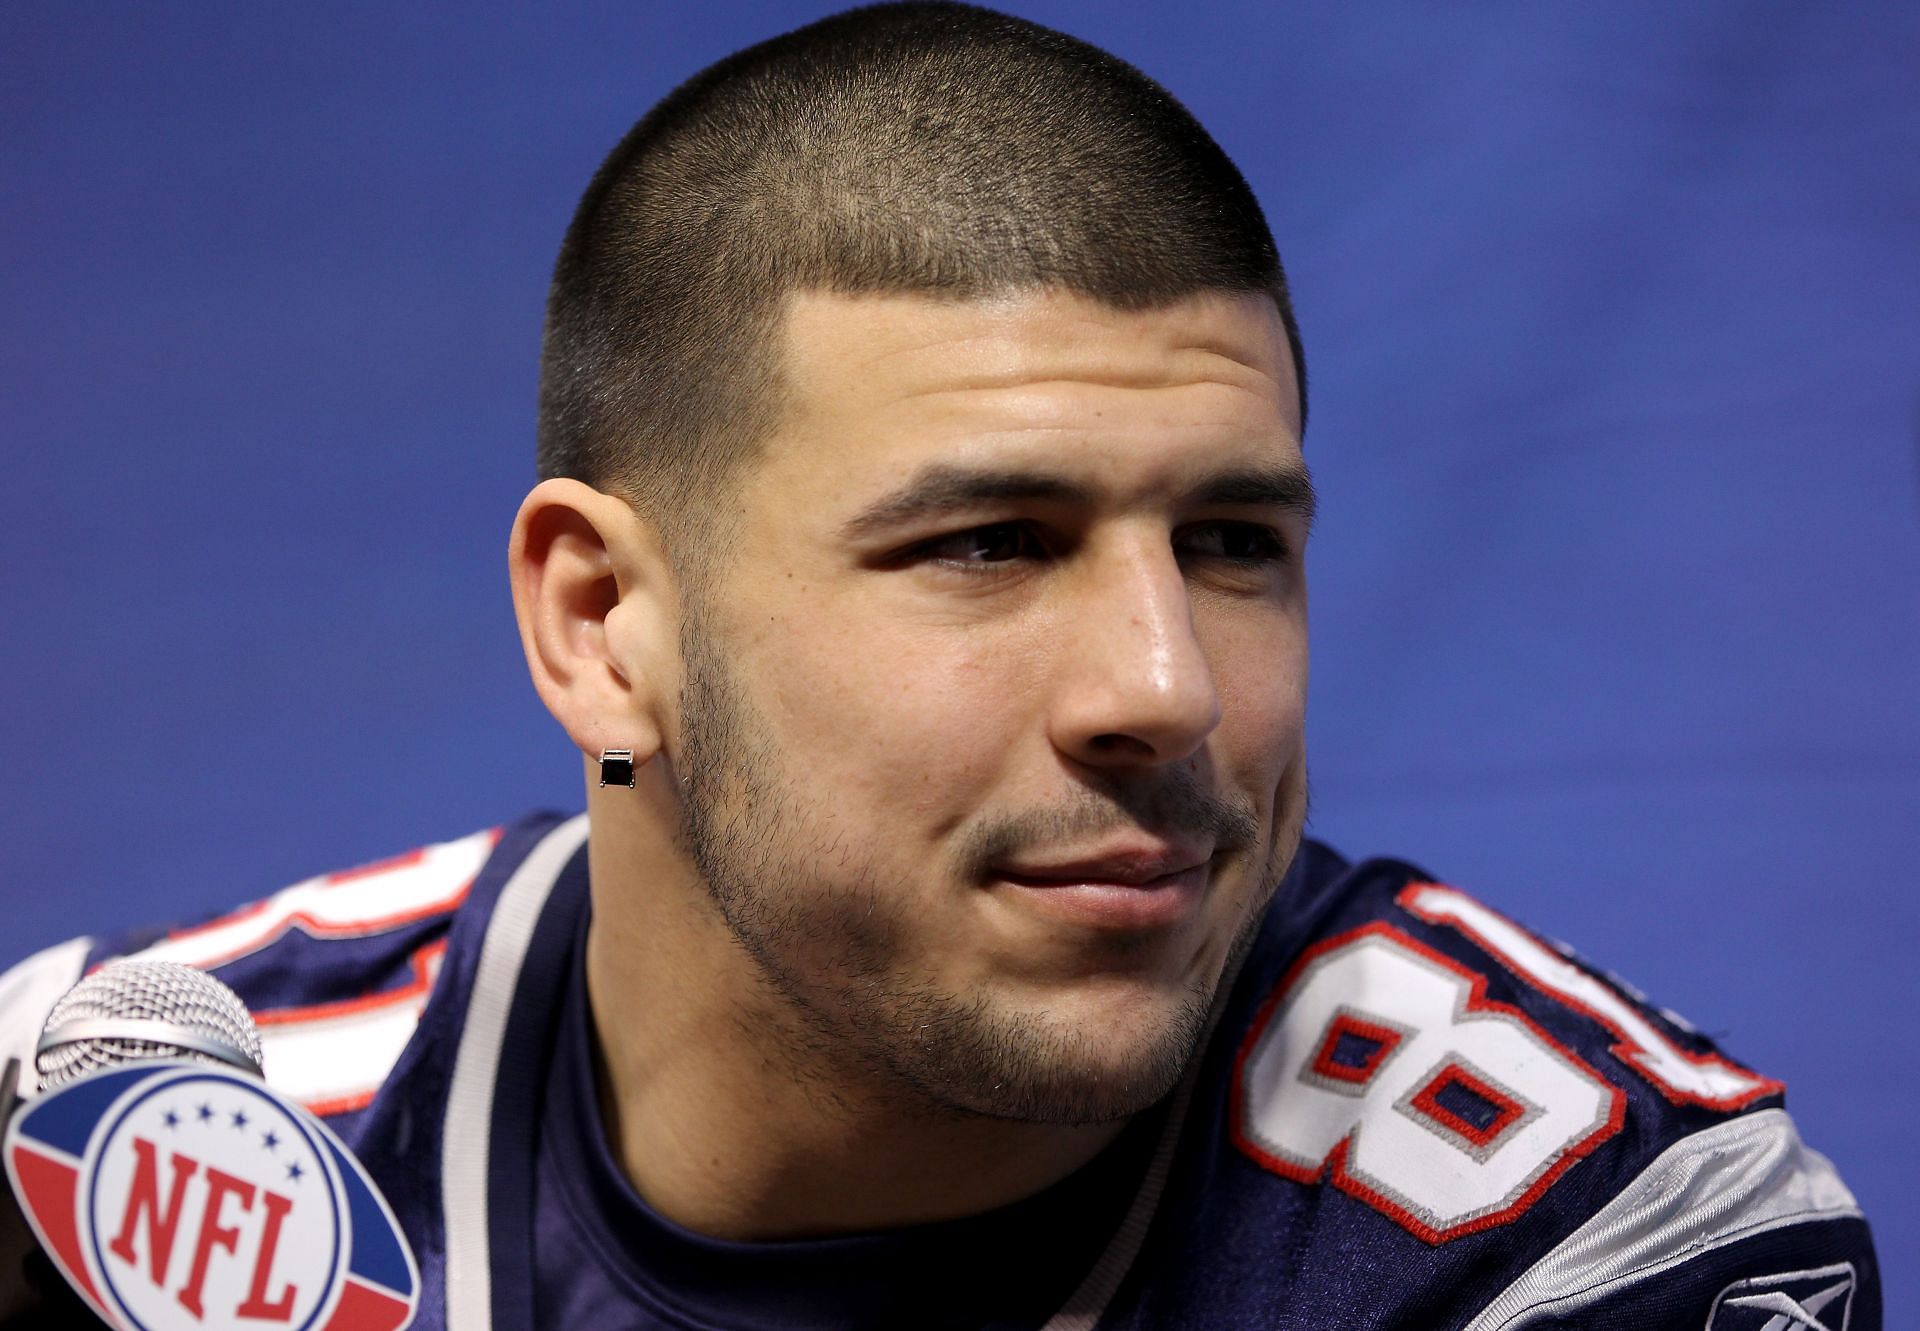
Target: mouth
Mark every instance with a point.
(1127, 891)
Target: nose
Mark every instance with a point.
(1135, 688)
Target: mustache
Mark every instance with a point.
(1173, 807)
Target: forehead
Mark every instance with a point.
(876, 383)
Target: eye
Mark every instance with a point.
(1235, 543)
(978, 548)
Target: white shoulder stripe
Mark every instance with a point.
(351, 904)
(27, 993)
(1726, 1183)
(466, 1136)
(334, 1057)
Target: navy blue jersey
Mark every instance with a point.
(1410, 1113)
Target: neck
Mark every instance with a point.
(725, 1107)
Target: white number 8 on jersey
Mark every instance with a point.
(1382, 1065)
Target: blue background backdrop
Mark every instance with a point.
(1613, 318)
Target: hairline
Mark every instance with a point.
(714, 519)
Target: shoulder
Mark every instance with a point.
(1415, 1090)
(28, 992)
(336, 968)
(1510, 1037)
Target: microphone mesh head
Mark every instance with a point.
(143, 991)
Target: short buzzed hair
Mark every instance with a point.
(921, 148)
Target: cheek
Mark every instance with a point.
(1262, 684)
(892, 726)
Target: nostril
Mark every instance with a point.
(1115, 743)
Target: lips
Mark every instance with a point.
(1127, 868)
(1129, 890)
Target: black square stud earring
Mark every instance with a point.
(616, 768)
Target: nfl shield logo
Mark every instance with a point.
(177, 1194)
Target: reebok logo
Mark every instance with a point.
(1819, 1300)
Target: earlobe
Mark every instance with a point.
(593, 594)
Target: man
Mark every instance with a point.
(918, 569)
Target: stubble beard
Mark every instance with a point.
(810, 913)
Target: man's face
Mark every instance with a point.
(993, 740)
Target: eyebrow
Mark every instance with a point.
(1286, 485)
(943, 488)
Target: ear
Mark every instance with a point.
(598, 610)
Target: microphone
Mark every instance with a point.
(170, 1187)
(133, 1010)
(124, 1012)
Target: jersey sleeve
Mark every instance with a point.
(1489, 1133)
(335, 969)
(1738, 1227)
(28, 992)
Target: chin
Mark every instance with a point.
(1086, 1064)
